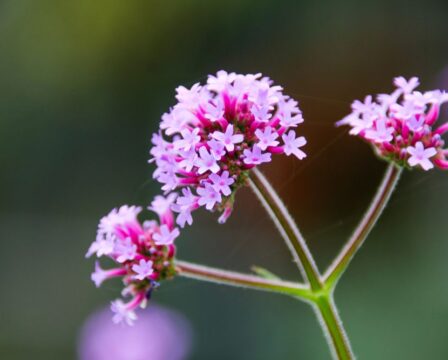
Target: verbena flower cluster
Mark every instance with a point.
(215, 134)
(400, 125)
(143, 254)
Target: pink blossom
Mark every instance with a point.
(100, 275)
(221, 183)
(381, 133)
(184, 206)
(420, 156)
(255, 156)
(232, 123)
(143, 253)
(266, 138)
(122, 313)
(125, 250)
(143, 269)
(292, 145)
(165, 236)
(208, 196)
(217, 149)
(206, 162)
(228, 138)
(400, 125)
(189, 139)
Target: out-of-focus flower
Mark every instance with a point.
(160, 334)
(401, 126)
(143, 253)
(216, 133)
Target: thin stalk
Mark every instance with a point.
(287, 228)
(370, 218)
(321, 295)
(219, 276)
(328, 313)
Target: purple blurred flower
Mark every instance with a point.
(160, 334)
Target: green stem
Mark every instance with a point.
(326, 309)
(219, 276)
(322, 295)
(287, 228)
(370, 218)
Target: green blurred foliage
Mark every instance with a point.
(84, 83)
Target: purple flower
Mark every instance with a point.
(122, 313)
(406, 85)
(292, 144)
(125, 250)
(189, 139)
(206, 162)
(221, 183)
(255, 156)
(216, 148)
(184, 206)
(165, 236)
(381, 133)
(143, 269)
(420, 156)
(227, 138)
(400, 125)
(160, 334)
(266, 138)
(143, 253)
(208, 196)
(230, 124)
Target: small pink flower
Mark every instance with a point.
(266, 138)
(208, 196)
(292, 145)
(165, 236)
(420, 156)
(143, 269)
(221, 183)
(228, 138)
(122, 313)
(255, 156)
(206, 162)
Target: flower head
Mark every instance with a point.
(400, 126)
(216, 133)
(143, 253)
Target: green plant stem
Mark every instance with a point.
(287, 228)
(322, 300)
(326, 309)
(219, 276)
(366, 224)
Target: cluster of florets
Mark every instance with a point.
(400, 125)
(143, 252)
(216, 133)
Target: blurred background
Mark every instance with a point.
(82, 87)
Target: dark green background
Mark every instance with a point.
(82, 87)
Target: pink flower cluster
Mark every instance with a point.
(400, 125)
(216, 133)
(143, 252)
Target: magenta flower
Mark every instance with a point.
(143, 253)
(216, 133)
(400, 126)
